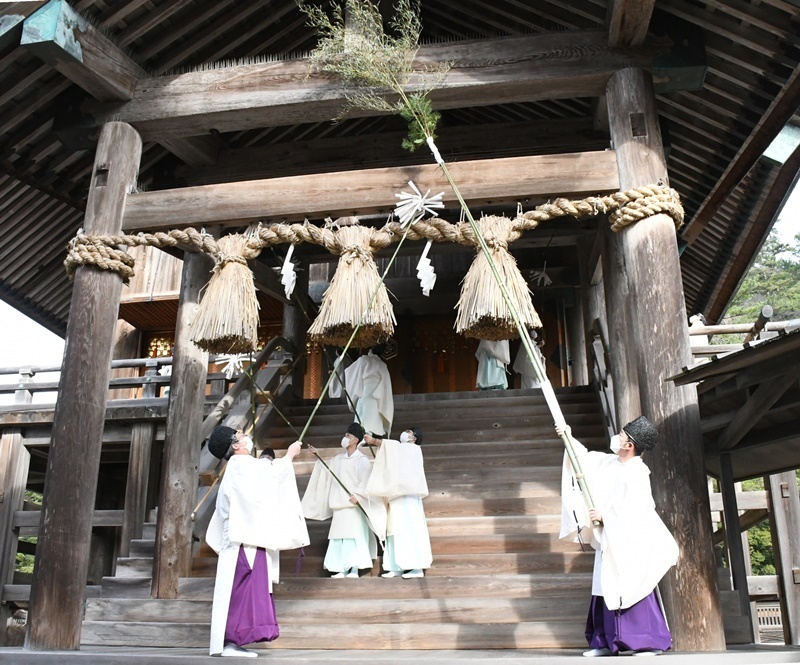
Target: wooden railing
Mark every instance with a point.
(700, 335)
(16, 522)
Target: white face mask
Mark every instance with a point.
(405, 437)
(345, 441)
(616, 444)
(248, 443)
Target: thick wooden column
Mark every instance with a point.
(659, 347)
(295, 326)
(785, 513)
(183, 437)
(62, 553)
(622, 366)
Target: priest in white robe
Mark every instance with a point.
(370, 387)
(523, 365)
(257, 515)
(398, 477)
(493, 358)
(357, 521)
(633, 548)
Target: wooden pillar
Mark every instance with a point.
(142, 435)
(785, 514)
(295, 327)
(183, 437)
(733, 536)
(622, 366)
(59, 581)
(659, 347)
(576, 338)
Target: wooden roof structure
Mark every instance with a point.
(727, 75)
(750, 406)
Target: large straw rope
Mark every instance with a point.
(625, 207)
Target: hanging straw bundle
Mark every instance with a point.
(227, 320)
(482, 310)
(350, 291)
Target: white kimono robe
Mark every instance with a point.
(492, 360)
(337, 387)
(370, 386)
(634, 549)
(524, 367)
(398, 477)
(324, 498)
(257, 506)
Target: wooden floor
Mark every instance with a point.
(753, 655)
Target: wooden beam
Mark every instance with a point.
(56, 607)
(786, 544)
(64, 39)
(371, 191)
(757, 405)
(459, 143)
(489, 71)
(628, 21)
(783, 107)
(733, 537)
(12, 17)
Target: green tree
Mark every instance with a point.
(773, 279)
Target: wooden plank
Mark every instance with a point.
(69, 494)
(30, 519)
(459, 143)
(661, 344)
(68, 42)
(786, 543)
(628, 21)
(755, 500)
(371, 191)
(181, 459)
(502, 70)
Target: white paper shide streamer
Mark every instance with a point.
(232, 363)
(288, 275)
(425, 273)
(413, 207)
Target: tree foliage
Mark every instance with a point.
(774, 279)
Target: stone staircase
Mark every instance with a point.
(500, 579)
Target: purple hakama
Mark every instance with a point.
(640, 627)
(251, 614)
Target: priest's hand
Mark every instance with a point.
(294, 449)
(353, 500)
(562, 429)
(312, 450)
(595, 515)
(371, 440)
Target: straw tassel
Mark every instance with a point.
(227, 320)
(349, 294)
(482, 310)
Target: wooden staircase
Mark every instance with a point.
(501, 578)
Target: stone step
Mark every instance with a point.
(142, 547)
(569, 606)
(127, 587)
(459, 544)
(530, 635)
(465, 586)
(134, 566)
(444, 564)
